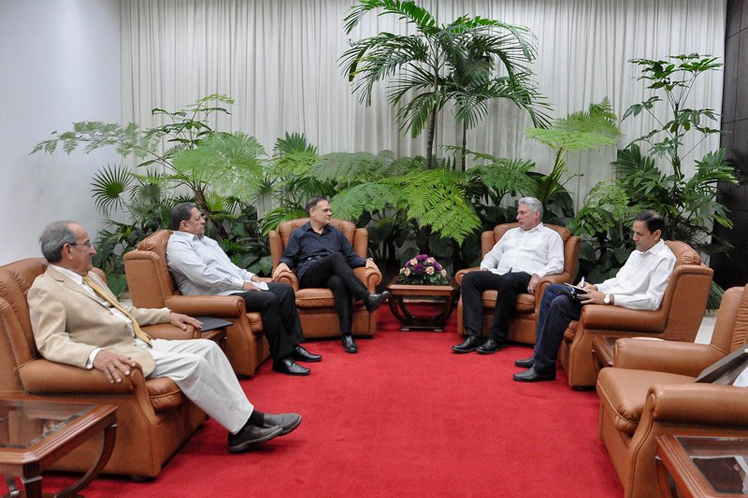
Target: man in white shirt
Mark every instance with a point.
(76, 320)
(517, 262)
(639, 284)
(200, 267)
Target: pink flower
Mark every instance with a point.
(430, 270)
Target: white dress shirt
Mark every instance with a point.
(200, 266)
(641, 283)
(538, 251)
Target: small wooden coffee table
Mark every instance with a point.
(445, 295)
(703, 467)
(34, 434)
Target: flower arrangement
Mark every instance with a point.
(423, 270)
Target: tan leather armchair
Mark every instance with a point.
(152, 286)
(522, 327)
(650, 391)
(154, 418)
(316, 306)
(678, 318)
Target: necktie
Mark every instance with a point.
(104, 295)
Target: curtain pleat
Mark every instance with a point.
(280, 60)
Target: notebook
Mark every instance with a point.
(726, 370)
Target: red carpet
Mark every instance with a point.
(404, 417)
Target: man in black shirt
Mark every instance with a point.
(323, 257)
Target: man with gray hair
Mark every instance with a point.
(78, 321)
(515, 264)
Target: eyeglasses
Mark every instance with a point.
(89, 244)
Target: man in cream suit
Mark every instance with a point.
(78, 321)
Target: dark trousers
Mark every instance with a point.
(280, 318)
(508, 286)
(334, 273)
(556, 312)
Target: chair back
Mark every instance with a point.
(731, 328)
(686, 294)
(572, 244)
(18, 346)
(358, 237)
(148, 277)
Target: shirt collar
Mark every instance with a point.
(536, 228)
(659, 246)
(308, 228)
(69, 274)
(186, 235)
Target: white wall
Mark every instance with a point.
(59, 63)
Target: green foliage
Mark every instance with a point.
(457, 63)
(184, 152)
(578, 132)
(689, 205)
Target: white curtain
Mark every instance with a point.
(279, 60)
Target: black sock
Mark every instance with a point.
(257, 418)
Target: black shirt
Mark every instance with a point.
(307, 246)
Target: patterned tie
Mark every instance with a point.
(104, 295)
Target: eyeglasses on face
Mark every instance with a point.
(88, 244)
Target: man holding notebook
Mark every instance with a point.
(200, 266)
(639, 284)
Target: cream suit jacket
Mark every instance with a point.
(69, 323)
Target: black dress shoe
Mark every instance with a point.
(249, 435)
(471, 343)
(526, 363)
(532, 376)
(349, 344)
(289, 367)
(286, 421)
(490, 346)
(301, 354)
(374, 300)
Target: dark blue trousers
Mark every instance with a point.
(334, 273)
(556, 312)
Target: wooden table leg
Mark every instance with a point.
(107, 446)
(13, 490)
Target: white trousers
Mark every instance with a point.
(205, 376)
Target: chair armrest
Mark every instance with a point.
(598, 316)
(371, 277)
(42, 376)
(698, 404)
(286, 277)
(461, 274)
(219, 306)
(683, 358)
(170, 332)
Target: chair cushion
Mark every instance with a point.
(525, 302)
(623, 393)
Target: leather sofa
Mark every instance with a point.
(154, 418)
(650, 391)
(678, 318)
(522, 327)
(316, 305)
(152, 286)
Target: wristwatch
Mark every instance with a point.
(606, 299)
